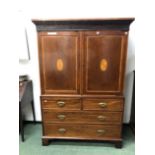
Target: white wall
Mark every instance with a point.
(130, 66)
(74, 9)
(31, 68)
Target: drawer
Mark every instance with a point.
(82, 117)
(61, 104)
(82, 131)
(103, 104)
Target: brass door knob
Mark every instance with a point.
(101, 131)
(61, 103)
(61, 117)
(101, 118)
(62, 130)
(102, 104)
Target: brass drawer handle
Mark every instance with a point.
(101, 118)
(102, 104)
(100, 131)
(61, 117)
(61, 103)
(45, 100)
(62, 130)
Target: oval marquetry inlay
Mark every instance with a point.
(59, 65)
(103, 65)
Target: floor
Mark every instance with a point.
(32, 145)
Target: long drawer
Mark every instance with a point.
(82, 131)
(103, 104)
(82, 117)
(61, 103)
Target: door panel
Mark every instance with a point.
(104, 55)
(60, 62)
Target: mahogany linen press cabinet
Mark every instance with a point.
(82, 69)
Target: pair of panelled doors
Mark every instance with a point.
(82, 62)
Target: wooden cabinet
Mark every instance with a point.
(82, 66)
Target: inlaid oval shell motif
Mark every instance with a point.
(103, 65)
(59, 65)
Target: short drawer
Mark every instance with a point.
(104, 132)
(103, 104)
(83, 117)
(61, 104)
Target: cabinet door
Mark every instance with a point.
(104, 62)
(59, 62)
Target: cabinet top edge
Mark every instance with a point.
(83, 24)
(131, 19)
